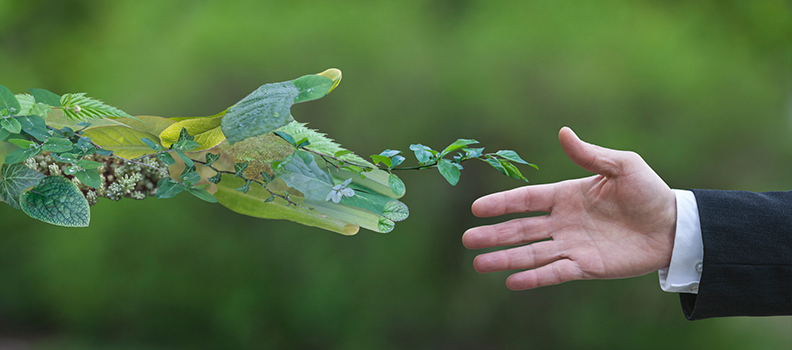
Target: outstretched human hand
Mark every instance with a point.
(619, 223)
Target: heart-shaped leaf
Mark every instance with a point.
(17, 178)
(57, 201)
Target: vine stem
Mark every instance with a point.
(271, 192)
(325, 156)
(384, 168)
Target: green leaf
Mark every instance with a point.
(216, 178)
(201, 193)
(168, 188)
(4, 134)
(385, 225)
(185, 145)
(151, 144)
(342, 153)
(57, 201)
(8, 101)
(26, 102)
(306, 157)
(166, 158)
(89, 177)
(184, 134)
(457, 145)
(245, 188)
(21, 143)
(261, 112)
(239, 169)
(310, 179)
(302, 143)
(85, 145)
(35, 126)
(66, 157)
(71, 170)
(11, 125)
(41, 109)
(389, 153)
(88, 164)
(286, 137)
(473, 152)
(396, 211)
(512, 170)
(397, 160)
(312, 87)
(21, 154)
(422, 153)
(267, 177)
(496, 164)
(190, 178)
(187, 161)
(211, 158)
(396, 185)
(125, 142)
(57, 144)
(382, 159)
(46, 97)
(17, 178)
(512, 156)
(449, 171)
(285, 161)
(269, 107)
(80, 107)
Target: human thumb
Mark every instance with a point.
(593, 158)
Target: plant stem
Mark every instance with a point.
(271, 192)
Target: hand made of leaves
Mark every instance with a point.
(252, 158)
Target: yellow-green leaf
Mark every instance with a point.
(205, 130)
(333, 74)
(124, 141)
(147, 123)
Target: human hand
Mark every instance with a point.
(619, 223)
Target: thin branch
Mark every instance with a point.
(263, 184)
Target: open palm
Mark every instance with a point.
(619, 223)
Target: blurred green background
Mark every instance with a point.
(702, 90)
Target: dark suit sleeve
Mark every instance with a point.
(747, 267)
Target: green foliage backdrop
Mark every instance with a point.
(701, 89)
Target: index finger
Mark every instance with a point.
(519, 200)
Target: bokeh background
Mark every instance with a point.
(701, 89)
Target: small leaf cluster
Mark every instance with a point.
(450, 168)
(189, 178)
(168, 187)
(391, 159)
(53, 199)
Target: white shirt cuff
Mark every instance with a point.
(684, 273)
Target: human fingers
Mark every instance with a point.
(517, 231)
(518, 200)
(559, 271)
(526, 257)
(596, 159)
